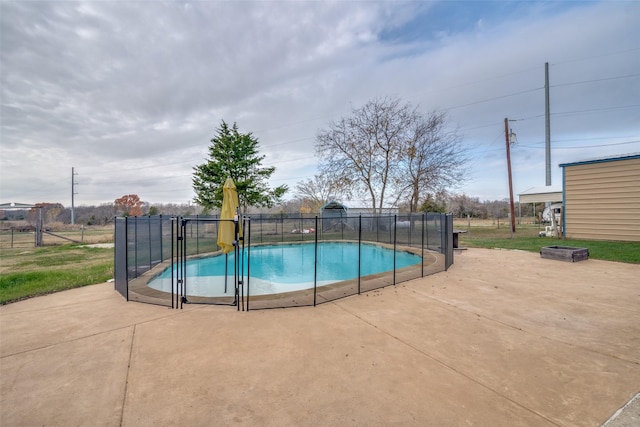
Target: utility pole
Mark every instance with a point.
(73, 193)
(547, 125)
(508, 136)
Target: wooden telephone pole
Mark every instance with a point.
(508, 135)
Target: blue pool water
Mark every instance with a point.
(286, 268)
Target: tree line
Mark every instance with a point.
(98, 215)
(460, 205)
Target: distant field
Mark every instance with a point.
(25, 239)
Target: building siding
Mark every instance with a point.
(602, 199)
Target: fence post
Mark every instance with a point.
(149, 238)
(424, 214)
(236, 263)
(448, 241)
(315, 263)
(121, 257)
(172, 262)
(395, 245)
(161, 252)
(443, 233)
(175, 259)
(247, 239)
(179, 255)
(182, 239)
(126, 259)
(135, 242)
(359, 251)
(39, 227)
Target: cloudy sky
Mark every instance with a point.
(130, 93)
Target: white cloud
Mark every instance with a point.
(131, 93)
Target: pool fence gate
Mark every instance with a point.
(148, 246)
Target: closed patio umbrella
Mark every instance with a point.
(227, 228)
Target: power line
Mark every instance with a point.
(288, 142)
(585, 146)
(594, 138)
(494, 98)
(595, 110)
(293, 160)
(560, 113)
(586, 58)
(596, 80)
(448, 88)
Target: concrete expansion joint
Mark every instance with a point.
(126, 381)
(44, 347)
(107, 331)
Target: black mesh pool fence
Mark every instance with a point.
(154, 249)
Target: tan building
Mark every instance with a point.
(601, 199)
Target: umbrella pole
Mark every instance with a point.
(238, 281)
(226, 269)
(236, 262)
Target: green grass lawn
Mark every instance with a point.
(25, 273)
(526, 238)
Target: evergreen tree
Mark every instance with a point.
(234, 154)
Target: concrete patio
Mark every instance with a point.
(504, 338)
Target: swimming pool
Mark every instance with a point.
(285, 268)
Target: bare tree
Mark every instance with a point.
(462, 205)
(361, 150)
(386, 151)
(317, 192)
(48, 212)
(431, 158)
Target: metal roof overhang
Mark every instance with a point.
(13, 205)
(541, 195)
